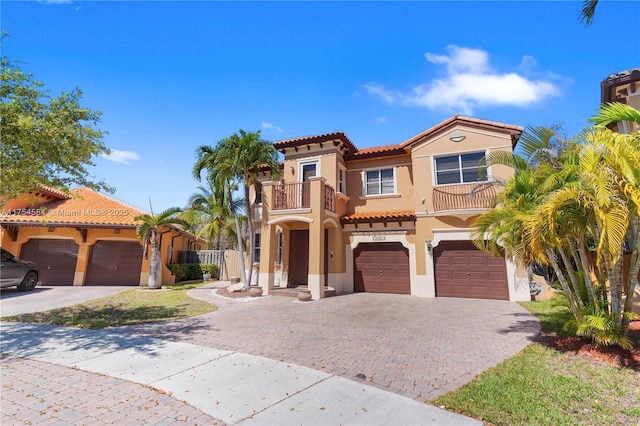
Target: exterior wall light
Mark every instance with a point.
(457, 137)
(429, 245)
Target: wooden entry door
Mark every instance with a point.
(299, 257)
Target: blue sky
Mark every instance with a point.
(170, 76)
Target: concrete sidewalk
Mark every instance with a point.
(233, 387)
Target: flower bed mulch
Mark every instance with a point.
(235, 295)
(582, 346)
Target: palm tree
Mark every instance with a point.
(568, 201)
(148, 233)
(234, 163)
(208, 213)
(627, 165)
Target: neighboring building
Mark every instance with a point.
(623, 87)
(391, 219)
(85, 238)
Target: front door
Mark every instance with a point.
(299, 258)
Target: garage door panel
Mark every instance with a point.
(381, 268)
(462, 270)
(115, 263)
(56, 258)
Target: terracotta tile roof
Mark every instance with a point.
(608, 86)
(399, 149)
(373, 217)
(88, 208)
(306, 140)
(511, 129)
(51, 191)
(378, 151)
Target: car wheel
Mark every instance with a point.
(29, 282)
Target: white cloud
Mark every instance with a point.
(268, 126)
(55, 1)
(124, 157)
(381, 120)
(462, 59)
(469, 83)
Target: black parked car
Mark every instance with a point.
(19, 273)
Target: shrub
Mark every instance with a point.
(192, 271)
(209, 268)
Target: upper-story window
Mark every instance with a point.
(308, 170)
(461, 168)
(256, 248)
(341, 183)
(258, 189)
(380, 182)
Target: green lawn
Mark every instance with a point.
(135, 306)
(541, 386)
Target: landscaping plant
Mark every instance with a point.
(148, 231)
(234, 163)
(574, 206)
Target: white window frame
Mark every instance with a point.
(460, 169)
(279, 247)
(342, 180)
(306, 163)
(380, 194)
(256, 247)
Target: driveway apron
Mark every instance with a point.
(416, 347)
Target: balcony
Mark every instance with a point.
(470, 196)
(292, 196)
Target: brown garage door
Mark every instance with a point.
(381, 268)
(56, 259)
(115, 263)
(461, 270)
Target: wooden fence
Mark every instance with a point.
(228, 261)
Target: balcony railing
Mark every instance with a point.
(463, 197)
(291, 196)
(329, 198)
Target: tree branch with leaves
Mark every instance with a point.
(45, 140)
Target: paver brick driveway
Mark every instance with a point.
(416, 347)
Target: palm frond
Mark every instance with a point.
(613, 112)
(587, 12)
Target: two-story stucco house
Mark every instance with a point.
(392, 219)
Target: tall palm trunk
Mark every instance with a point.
(572, 276)
(563, 282)
(247, 205)
(239, 238)
(155, 270)
(584, 262)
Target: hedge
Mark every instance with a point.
(192, 271)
